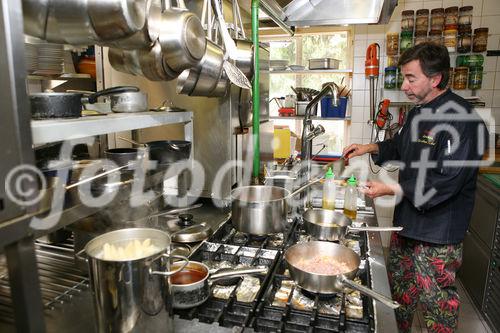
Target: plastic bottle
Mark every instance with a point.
(351, 198)
(329, 190)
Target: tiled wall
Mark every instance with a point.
(486, 13)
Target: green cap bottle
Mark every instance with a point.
(352, 180)
(329, 174)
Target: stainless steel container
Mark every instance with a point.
(324, 63)
(259, 210)
(131, 295)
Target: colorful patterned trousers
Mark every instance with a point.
(424, 272)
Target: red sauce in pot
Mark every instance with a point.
(187, 276)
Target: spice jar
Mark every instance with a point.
(475, 77)
(465, 16)
(480, 40)
(420, 37)
(460, 78)
(437, 19)
(451, 16)
(450, 38)
(392, 43)
(390, 78)
(422, 20)
(406, 41)
(464, 41)
(436, 37)
(407, 20)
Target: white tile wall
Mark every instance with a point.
(358, 115)
(491, 7)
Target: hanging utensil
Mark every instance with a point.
(234, 74)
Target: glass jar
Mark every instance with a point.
(465, 16)
(450, 78)
(475, 60)
(436, 37)
(450, 39)
(399, 79)
(392, 61)
(480, 40)
(406, 41)
(451, 16)
(390, 78)
(462, 61)
(407, 20)
(460, 78)
(422, 20)
(475, 77)
(437, 19)
(464, 41)
(392, 43)
(420, 37)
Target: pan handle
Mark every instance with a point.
(237, 272)
(170, 273)
(349, 228)
(110, 91)
(367, 291)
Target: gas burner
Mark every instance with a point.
(322, 297)
(240, 238)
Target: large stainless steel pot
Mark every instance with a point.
(182, 38)
(191, 286)
(125, 61)
(131, 295)
(35, 13)
(261, 210)
(326, 224)
(74, 22)
(154, 66)
(328, 283)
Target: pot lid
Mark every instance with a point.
(191, 234)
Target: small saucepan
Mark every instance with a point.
(191, 286)
(165, 152)
(327, 268)
(326, 224)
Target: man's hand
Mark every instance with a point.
(357, 150)
(377, 189)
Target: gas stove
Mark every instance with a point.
(272, 302)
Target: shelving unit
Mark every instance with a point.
(312, 71)
(313, 118)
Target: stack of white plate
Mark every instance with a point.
(50, 59)
(31, 58)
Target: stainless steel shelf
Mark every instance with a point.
(62, 77)
(312, 71)
(313, 118)
(51, 130)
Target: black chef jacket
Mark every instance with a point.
(444, 217)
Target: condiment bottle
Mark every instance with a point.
(351, 198)
(329, 190)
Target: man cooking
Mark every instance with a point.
(437, 188)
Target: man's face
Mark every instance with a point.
(416, 85)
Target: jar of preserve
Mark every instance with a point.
(480, 40)
(437, 19)
(406, 41)
(475, 77)
(422, 20)
(451, 16)
(392, 61)
(392, 43)
(462, 61)
(460, 78)
(450, 38)
(420, 37)
(450, 78)
(464, 41)
(436, 37)
(465, 16)
(390, 78)
(399, 79)
(407, 20)
(475, 60)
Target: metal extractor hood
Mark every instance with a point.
(300, 13)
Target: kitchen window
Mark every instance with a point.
(297, 50)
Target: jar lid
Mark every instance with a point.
(391, 68)
(480, 30)
(407, 12)
(451, 27)
(466, 8)
(437, 11)
(423, 12)
(406, 34)
(451, 9)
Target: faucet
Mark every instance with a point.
(309, 131)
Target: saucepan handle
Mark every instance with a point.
(169, 273)
(349, 228)
(237, 272)
(79, 255)
(367, 291)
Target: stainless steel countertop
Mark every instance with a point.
(77, 315)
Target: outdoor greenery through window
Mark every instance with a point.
(297, 50)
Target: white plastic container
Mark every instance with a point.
(351, 199)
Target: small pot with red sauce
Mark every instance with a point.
(191, 286)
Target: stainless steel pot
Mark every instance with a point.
(261, 210)
(125, 61)
(153, 66)
(56, 105)
(74, 22)
(35, 13)
(132, 295)
(129, 102)
(182, 38)
(191, 286)
(326, 224)
(115, 19)
(328, 283)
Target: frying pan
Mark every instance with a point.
(326, 224)
(328, 283)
